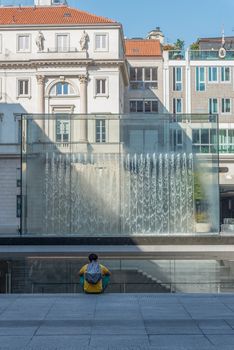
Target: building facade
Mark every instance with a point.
(202, 81)
(59, 61)
(55, 60)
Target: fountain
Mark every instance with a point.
(128, 194)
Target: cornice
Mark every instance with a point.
(59, 63)
(43, 63)
(16, 27)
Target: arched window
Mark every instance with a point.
(62, 89)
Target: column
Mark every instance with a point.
(40, 103)
(40, 95)
(83, 107)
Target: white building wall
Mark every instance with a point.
(10, 51)
(55, 67)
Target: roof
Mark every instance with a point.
(48, 15)
(143, 47)
(227, 38)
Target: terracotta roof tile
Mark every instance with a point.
(143, 47)
(48, 15)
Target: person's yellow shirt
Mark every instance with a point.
(93, 288)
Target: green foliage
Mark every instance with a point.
(195, 45)
(198, 191)
(179, 44)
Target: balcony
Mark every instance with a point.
(143, 85)
(176, 55)
(197, 55)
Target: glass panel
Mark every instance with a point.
(147, 106)
(148, 74)
(139, 74)
(139, 106)
(132, 74)
(155, 106)
(231, 136)
(59, 90)
(196, 136)
(135, 184)
(98, 41)
(132, 106)
(154, 74)
(205, 136)
(215, 105)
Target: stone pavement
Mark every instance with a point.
(117, 321)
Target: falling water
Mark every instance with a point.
(110, 194)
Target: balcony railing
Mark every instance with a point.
(210, 55)
(62, 49)
(176, 55)
(141, 85)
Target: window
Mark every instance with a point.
(101, 42)
(62, 42)
(101, 87)
(136, 74)
(213, 105)
(177, 105)
(143, 78)
(226, 140)
(23, 43)
(144, 106)
(176, 138)
(200, 79)
(177, 78)
(226, 105)
(213, 74)
(23, 87)
(225, 74)
(61, 89)
(204, 140)
(100, 130)
(136, 106)
(62, 130)
(150, 78)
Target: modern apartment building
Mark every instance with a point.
(201, 81)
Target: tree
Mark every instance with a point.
(179, 44)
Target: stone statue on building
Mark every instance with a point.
(84, 41)
(40, 41)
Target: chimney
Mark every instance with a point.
(156, 34)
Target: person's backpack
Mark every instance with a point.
(93, 273)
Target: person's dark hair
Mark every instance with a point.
(93, 257)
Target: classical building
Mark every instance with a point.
(55, 60)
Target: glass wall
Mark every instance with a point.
(60, 275)
(119, 175)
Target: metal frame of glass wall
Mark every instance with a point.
(119, 175)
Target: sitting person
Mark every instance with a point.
(94, 277)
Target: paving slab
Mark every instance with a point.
(61, 342)
(117, 321)
(14, 342)
(187, 341)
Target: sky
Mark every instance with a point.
(183, 19)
